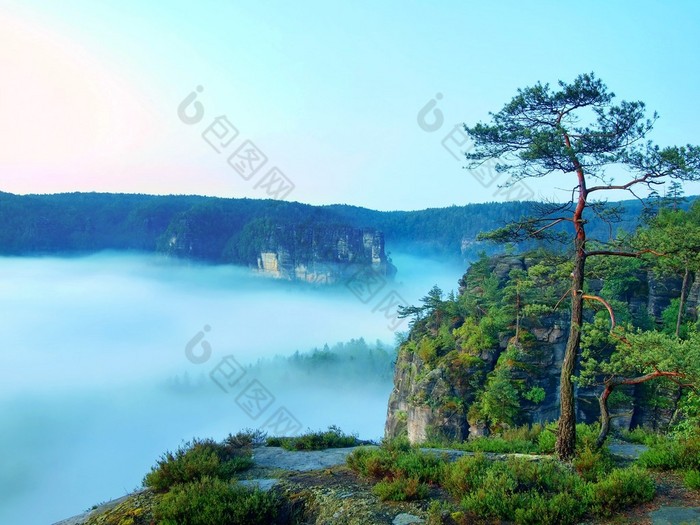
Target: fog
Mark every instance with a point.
(90, 347)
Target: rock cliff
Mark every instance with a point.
(436, 399)
(316, 253)
(322, 255)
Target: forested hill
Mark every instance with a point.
(229, 230)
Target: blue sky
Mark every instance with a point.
(328, 92)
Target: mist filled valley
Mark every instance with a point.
(112, 359)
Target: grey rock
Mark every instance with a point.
(263, 484)
(675, 516)
(303, 461)
(406, 519)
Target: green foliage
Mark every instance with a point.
(673, 454)
(516, 490)
(466, 474)
(669, 319)
(521, 440)
(471, 338)
(334, 437)
(212, 501)
(620, 489)
(591, 464)
(689, 415)
(195, 460)
(692, 479)
(245, 439)
(427, 350)
(535, 395)
(396, 459)
(543, 492)
(636, 353)
(401, 489)
(676, 235)
(499, 403)
(639, 435)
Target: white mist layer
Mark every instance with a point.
(89, 344)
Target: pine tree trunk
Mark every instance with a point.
(681, 303)
(604, 416)
(566, 432)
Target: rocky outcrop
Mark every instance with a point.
(431, 401)
(316, 253)
(321, 255)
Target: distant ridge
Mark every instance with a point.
(231, 230)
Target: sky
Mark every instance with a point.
(351, 102)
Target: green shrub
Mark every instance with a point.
(393, 461)
(620, 489)
(547, 439)
(246, 439)
(523, 433)
(321, 440)
(591, 464)
(371, 462)
(497, 445)
(195, 460)
(670, 454)
(211, 501)
(519, 440)
(465, 474)
(401, 489)
(517, 490)
(692, 479)
(587, 435)
(425, 467)
(560, 509)
(639, 436)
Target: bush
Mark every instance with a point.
(373, 463)
(403, 471)
(519, 440)
(547, 439)
(692, 479)
(621, 488)
(639, 436)
(465, 474)
(394, 461)
(517, 490)
(211, 501)
(321, 440)
(246, 439)
(195, 460)
(670, 454)
(401, 489)
(416, 464)
(564, 509)
(592, 464)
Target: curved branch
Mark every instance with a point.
(613, 382)
(607, 306)
(648, 179)
(624, 254)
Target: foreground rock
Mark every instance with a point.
(323, 491)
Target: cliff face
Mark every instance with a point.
(431, 401)
(322, 255)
